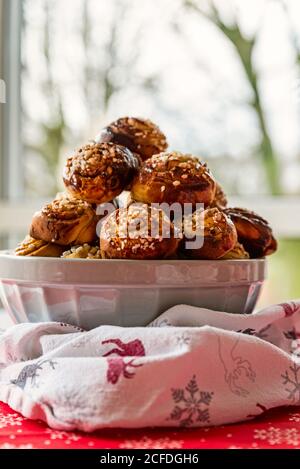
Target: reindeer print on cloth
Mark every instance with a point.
(192, 367)
(119, 366)
(31, 372)
(235, 367)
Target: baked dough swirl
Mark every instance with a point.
(254, 232)
(37, 248)
(98, 172)
(141, 136)
(65, 222)
(138, 232)
(174, 177)
(217, 231)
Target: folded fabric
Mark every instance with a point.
(191, 367)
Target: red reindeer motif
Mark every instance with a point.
(289, 308)
(134, 348)
(117, 366)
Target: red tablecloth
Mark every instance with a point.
(279, 428)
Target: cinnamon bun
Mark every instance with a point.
(174, 177)
(238, 252)
(65, 222)
(220, 199)
(37, 248)
(216, 231)
(99, 172)
(254, 232)
(141, 136)
(138, 232)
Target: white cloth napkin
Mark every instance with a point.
(208, 368)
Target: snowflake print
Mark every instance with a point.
(191, 404)
(278, 436)
(67, 437)
(183, 339)
(148, 443)
(160, 323)
(291, 377)
(10, 420)
(294, 417)
(11, 446)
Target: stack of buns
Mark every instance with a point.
(130, 156)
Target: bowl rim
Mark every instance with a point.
(9, 254)
(122, 273)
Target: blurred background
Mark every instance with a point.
(221, 79)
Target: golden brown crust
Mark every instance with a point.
(98, 172)
(138, 232)
(238, 252)
(254, 232)
(37, 248)
(65, 222)
(220, 199)
(141, 136)
(174, 177)
(218, 230)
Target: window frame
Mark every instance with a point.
(12, 183)
(15, 212)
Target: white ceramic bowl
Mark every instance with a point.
(88, 293)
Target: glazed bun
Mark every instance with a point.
(216, 230)
(138, 232)
(37, 248)
(174, 177)
(65, 222)
(98, 172)
(238, 252)
(141, 136)
(254, 232)
(220, 199)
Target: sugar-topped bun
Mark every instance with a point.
(65, 222)
(141, 136)
(37, 248)
(217, 231)
(220, 199)
(238, 252)
(98, 172)
(138, 232)
(254, 232)
(174, 177)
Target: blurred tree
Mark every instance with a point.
(244, 48)
(115, 71)
(294, 36)
(52, 130)
(104, 70)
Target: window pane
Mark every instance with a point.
(220, 83)
(223, 84)
(283, 274)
